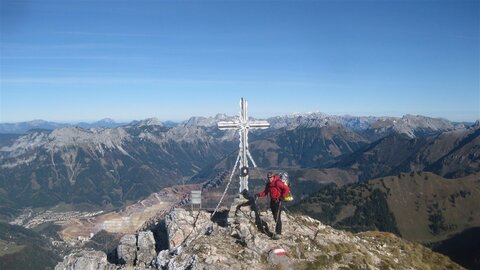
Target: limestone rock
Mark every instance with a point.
(85, 260)
(146, 248)
(162, 259)
(181, 224)
(127, 250)
(235, 207)
(278, 259)
(306, 243)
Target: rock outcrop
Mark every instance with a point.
(137, 250)
(182, 224)
(85, 260)
(146, 248)
(305, 244)
(127, 250)
(195, 242)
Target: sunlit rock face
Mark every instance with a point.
(197, 242)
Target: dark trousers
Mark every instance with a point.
(276, 207)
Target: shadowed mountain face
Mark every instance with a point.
(305, 147)
(8, 139)
(299, 152)
(102, 166)
(451, 154)
(463, 248)
(25, 249)
(311, 147)
(109, 166)
(459, 153)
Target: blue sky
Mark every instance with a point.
(83, 60)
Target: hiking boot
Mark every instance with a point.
(276, 237)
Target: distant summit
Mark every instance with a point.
(476, 124)
(206, 121)
(147, 122)
(372, 126)
(24, 127)
(104, 123)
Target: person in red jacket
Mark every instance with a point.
(277, 191)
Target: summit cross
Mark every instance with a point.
(243, 126)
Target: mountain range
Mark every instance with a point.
(23, 127)
(102, 166)
(451, 154)
(110, 167)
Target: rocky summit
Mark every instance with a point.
(242, 239)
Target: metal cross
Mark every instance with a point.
(243, 125)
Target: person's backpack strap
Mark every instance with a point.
(288, 197)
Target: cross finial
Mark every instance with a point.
(243, 126)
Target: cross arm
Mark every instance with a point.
(228, 125)
(259, 124)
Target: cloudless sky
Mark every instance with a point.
(83, 60)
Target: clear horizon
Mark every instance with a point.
(206, 116)
(74, 61)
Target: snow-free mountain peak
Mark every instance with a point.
(146, 122)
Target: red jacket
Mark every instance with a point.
(275, 188)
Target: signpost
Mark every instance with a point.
(196, 198)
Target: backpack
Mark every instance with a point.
(284, 178)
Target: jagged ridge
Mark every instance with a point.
(197, 243)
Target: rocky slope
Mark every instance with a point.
(419, 206)
(450, 154)
(239, 242)
(108, 166)
(410, 125)
(371, 127)
(103, 166)
(21, 248)
(300, 150)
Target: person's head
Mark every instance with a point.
(270, 176)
